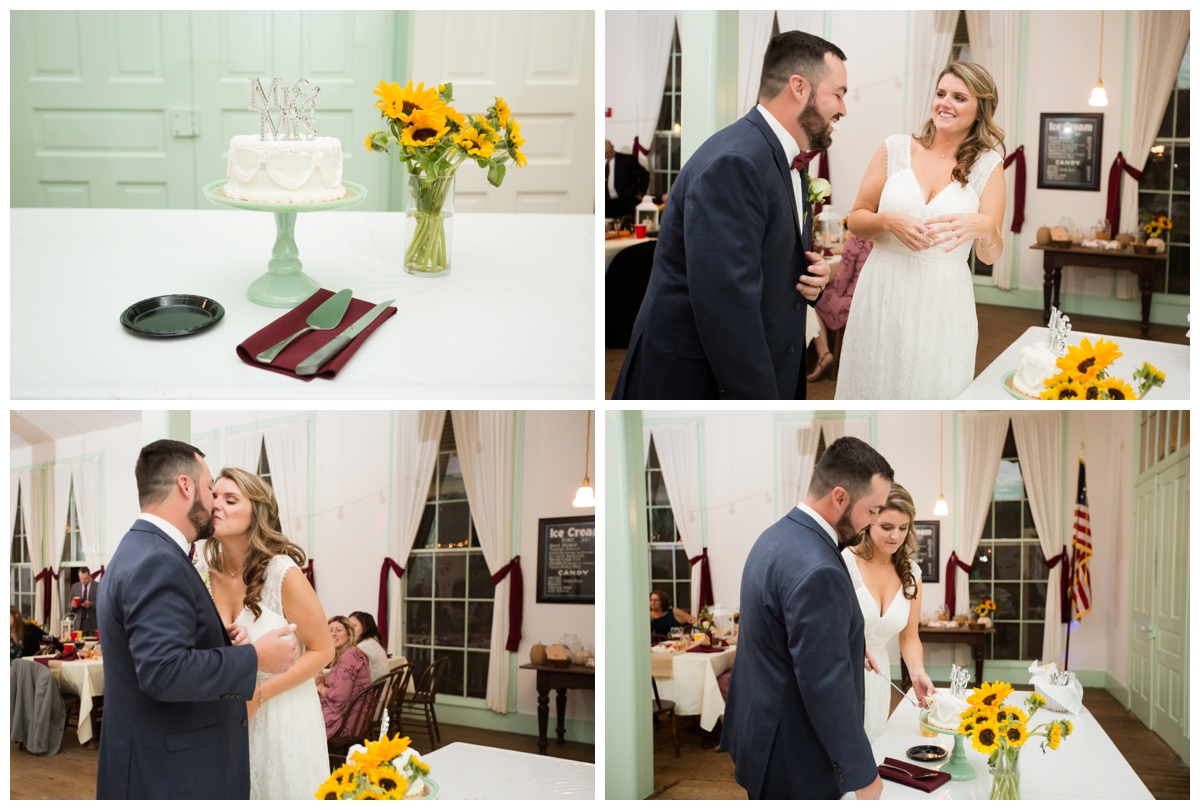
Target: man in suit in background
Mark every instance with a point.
(794, 719)
(724, 316)
(85, 591)
(625, 182)
(175, 684)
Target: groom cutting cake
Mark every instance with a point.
(724, 314)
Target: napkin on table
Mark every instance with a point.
(927, 785)
(302, 347)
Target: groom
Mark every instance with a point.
(794, 717)
(724, 316)
(175, 686)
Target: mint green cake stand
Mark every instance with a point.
(284, 284)
(959, 769)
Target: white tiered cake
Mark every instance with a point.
(944, 711)
(1039, 361)
(284, 171)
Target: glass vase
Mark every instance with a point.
(429, 225)
(1006, 774)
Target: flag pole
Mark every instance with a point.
(1071, 581)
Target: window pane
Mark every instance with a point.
(450, 477)
(451, 579)
(1164, 129)
(676, 151)
(1157, 174)
(1006, 644)
(660, 563)
(1181, 169)
(667, 587)
(1034, 602)
(662, 526)
(1183, 127)
(425, 535)
(477, 669)
(452, 680)
(683, 569)
(658, 490)
(454, 521)
(1010, 444)
(1180, 282)
(418, 628)
(1008, 519)
(1008, 482)
(683, 596)
(1008, 561)
(1181, 219)
(983, 562)
(419, 575)
(979, 591)
(1035, 564)
(481, 579)
(449, 624)
(479, 624)
(1030, 528)
(474, 536)
(27, 578)
(1034, 632)
(1007, 596)
(418, 656)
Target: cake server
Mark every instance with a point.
(326, 316)
(898, 689)
(323, 355)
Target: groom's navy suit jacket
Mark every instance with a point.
(175, 689)
(794, 717)
(722, 318)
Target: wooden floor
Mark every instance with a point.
(702, 773)
(998, 328)
(71, 774)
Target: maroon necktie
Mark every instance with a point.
(803, 158)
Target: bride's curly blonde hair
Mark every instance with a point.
(266, 537)
(984, 136)
(901, 501)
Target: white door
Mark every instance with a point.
(1171, 608)
(1141, 599)
(543, 64)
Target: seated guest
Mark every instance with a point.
(625, 183)
(349, 674)
(16, 634)
(834, 306)
(368, 640)
(26, 638)
(663, 617)
(85, 591)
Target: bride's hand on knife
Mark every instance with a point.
(922, 686)
(810, 285)
(955, 230)
(870, 663)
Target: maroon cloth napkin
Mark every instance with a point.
(704, 649)
(927, 785)
(66, 656)
(302, 347)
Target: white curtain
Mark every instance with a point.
(754, 32)
(797, 456)
(287, 455)
(678, 448)
(1039, 448)
(32, 483)
(810, 22)
(996, 45)
(981, 447)
(485, 442)
(654, 32)
(417, 436)
(62, 502)
(859, 428)
(208, 446)
(87, 509)
(930, 39)
(1159, 40)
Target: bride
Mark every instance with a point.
(254, 580)
(924, 201)
(888, 585)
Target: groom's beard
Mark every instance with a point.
(814, 126)
(845, 529)
(201, 519)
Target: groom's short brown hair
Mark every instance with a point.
(849, 463)
(158, 466)
(794, 53)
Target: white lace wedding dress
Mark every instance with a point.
(288, 754)
(911, 332)
(878, 629)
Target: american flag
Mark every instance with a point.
(1081, 583)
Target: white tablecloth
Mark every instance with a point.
(1086, 766)
(514, 319)
(614, 246)
(465, 771)
(86, 679)
(693, 687)
(1173, 359)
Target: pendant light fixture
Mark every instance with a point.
(1099, 97)
(940, 509)
(586, 496)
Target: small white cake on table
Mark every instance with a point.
(1037, 364)
(945, 710)
(285, 170)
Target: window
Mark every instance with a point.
(669, 568)
(72, 554)
(1009, 566)
(449, 591)
(960, 49)
(1164, 433)
(666, 149)
(264, 466)
(1164, 188)
(20, 566)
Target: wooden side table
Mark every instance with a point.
(1055, 259)
(560, 679)
(959, 635)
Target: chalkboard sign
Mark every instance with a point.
(1069, 148)
(927, 548)
(566, 571)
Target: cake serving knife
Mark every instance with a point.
(913, 701)
(312, 364)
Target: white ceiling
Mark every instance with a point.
(27, 428)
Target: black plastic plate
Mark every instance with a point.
(172, 315)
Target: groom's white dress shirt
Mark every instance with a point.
(171, 531)
(612, 179)
(790, 150)
(822, 522)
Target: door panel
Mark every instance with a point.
(1141, 587)
(1171, 608)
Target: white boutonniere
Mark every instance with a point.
(819, 190)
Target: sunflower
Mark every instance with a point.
(986, 737)
(1015, 715)
(345, 775)
(1153, 374)
(1088, 359)
(1015, 735)
(341, 784)
(1067, 727)
(1066, 390)
(471, 141)
(519, 158)
(400, 104)
(1003, 716)
(514, 135)
(502, 111)
(990, 695)
(1035, 702)
(454, 115)
(384, 750)
(484, 128)
(967, 726)
(1054, 736)
(416, 767)
(388, 781)
(1116, 388)
(424, 129)
(329, 789)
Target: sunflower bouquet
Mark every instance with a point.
(432, 139)
(1002, 731)
(1155, 227)
(985, 607)
(1083, 374)
(384, 769)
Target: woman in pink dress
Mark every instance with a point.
(834, 307)
(349, 674)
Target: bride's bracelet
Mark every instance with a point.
(995, 242)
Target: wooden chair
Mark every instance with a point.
(420, 704)
(662, 709)
(403, 673)
(356, 724)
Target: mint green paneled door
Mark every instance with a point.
(345, 53)
(93, 102)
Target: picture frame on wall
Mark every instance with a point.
(928, 545)
(1069, 148)
(566, 570)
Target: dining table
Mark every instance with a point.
(692, 682)
(468, 771)
(1087, 765)
(83, 677)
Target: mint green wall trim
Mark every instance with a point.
(581, 731)
(402, 37)
(1022, 89)
(1165, 308)
(515, 538)
(698, 421)
(397, 636)
(828, 25)
(1117, 689)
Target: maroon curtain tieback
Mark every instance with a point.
(1018, 157)
(308, 572)
(1113, 212)
(638, 148)
(1064, 601)
(951, 564)
(516, 600)
(706, 591)
(45, 576)
(381, 616)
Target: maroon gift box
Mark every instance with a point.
(927, 785)
(302, 347)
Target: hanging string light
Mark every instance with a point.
(586, 496)
(1099, 97)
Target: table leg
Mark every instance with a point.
(543, 718)
(1047, 286)
(561, 700)
(1146, 282)
(904, 681)
(977, 646)
(1057, 284)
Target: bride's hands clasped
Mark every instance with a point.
(958, 229)
(913, 232)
